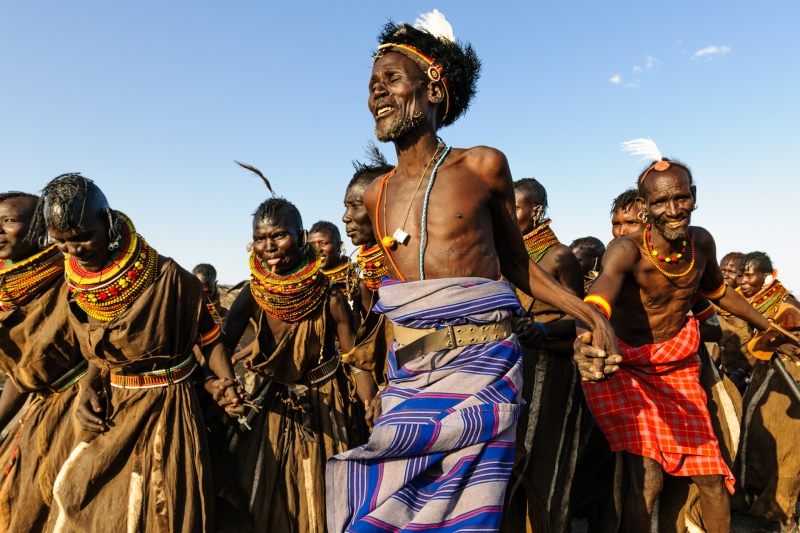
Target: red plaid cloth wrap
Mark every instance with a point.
(655, 407)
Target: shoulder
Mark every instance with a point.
(563, 254)
(701, 236)
(483, 160)
(625, 249)
(371, 192)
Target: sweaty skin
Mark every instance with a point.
(472, 227)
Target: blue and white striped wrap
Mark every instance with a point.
(441, 454)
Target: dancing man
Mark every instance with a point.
(654, 407)
(441, 453)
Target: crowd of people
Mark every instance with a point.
(467, 371)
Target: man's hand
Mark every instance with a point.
(228, 393)
(530, 334)
(374, 410)
(592, 354)
(89, 410)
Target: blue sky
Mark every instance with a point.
(154, 101)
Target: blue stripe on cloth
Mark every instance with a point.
(440, 456)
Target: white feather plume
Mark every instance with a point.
(435, 24)
(643, 147)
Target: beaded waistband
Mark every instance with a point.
(70, 378)
(156, 378)
(324, 371)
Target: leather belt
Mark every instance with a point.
(418, 342)
(324, 371)
(156, 378)
(70, 378)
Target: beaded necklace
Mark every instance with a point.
(540, 240)
(373, 266)
(213, 309)
(132, 268)
(722, 312)
(344, 275)
(21, 282)
(648, 248)
(292, 296)
(768, 300)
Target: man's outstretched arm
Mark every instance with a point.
(526, 275)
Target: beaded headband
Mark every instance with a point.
(661, 166)
(428, 64)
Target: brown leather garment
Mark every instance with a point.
(280, 462)
(150, 471)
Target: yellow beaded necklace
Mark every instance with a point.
(344, 275)
(132, 268)
(20, 282)
(539, 241)
(651, 253)
(373, 266)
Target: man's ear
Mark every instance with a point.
(693, 188)
(435, 92)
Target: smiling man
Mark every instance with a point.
(441, 453)
(654, 407)
(39, 355)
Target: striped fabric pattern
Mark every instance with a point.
(440, 456)
(654, 406)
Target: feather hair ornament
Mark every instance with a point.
(435, 24)
(257, 172)
(643, 147)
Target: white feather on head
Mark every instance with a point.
(435, 24)
(643, 147)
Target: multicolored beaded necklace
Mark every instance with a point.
(292, 296)
(373, 266)
(539, 241)
(22, 281)
(344, 275)
(651, 253)
(132, 268)
(768, 300)
(213, 309)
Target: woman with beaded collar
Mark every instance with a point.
(303, 413)
(142, 459)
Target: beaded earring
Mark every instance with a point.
(249, 247)
(113, 232)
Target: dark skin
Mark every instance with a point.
(15, 219)
(88, 242)
(359, 228)
(647, 308)
(475, 234)
(211, 293)
(625, 221)
(278, 244)
(329, 248)
(730, 269)
(562, 265)
(588, 260)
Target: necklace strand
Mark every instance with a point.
(651, 253)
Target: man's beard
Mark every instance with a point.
(402, 126)
(673, 234)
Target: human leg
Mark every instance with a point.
(714, 502)
(646, 479)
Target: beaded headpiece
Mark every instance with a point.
(132, 267)
(20, 282)
(292, 296)
(431, 44)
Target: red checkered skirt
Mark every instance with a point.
(654, 406)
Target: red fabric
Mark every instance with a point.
(654, 406)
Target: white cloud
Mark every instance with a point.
(615, 79)
(649, 63)
(710, 51)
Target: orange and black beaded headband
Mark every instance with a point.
(428, 64)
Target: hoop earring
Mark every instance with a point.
(44, 242)
(642, 216)
(113, 232)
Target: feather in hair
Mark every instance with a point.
(374, 155)
(643, 147)
(258, 172)
(435, 24)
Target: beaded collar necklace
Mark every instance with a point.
(291, 296)
(21, 282)
(132, 268)
(345, 275)
(373, 266)
(768, 300)
(540, 240)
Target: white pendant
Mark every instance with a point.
(401, 236)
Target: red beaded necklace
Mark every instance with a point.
(667, 259)
(20, 282)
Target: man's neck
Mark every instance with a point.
(415, 152)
